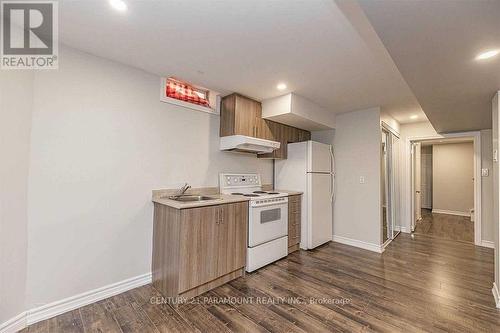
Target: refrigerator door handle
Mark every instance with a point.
(332, 180)
(331, 189)
(332, 160)
(332, 197)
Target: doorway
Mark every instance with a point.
(444, 190)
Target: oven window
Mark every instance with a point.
(270, 215)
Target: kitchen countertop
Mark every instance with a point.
(219, 199)
(161, 197)
(289, 192)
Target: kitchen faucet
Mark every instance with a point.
(183, 189)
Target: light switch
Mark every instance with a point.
(362, 179)
(485, 172)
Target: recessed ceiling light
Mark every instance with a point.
(414, 116)
(281, 86)
(119, 5)
(487, 54)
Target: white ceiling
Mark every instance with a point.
(248, 47)
(434, 43)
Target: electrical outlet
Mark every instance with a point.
(485, 172)
(362, 179)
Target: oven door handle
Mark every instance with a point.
(277, 204)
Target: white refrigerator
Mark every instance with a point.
(309, 168)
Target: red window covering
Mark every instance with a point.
(186, 92)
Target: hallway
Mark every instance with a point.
(453, 227)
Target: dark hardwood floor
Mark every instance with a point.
(419, 284)
(459, 228)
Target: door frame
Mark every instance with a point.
(394, 165)
(385, 157)
(408, 210)
(413, 163)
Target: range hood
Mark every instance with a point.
(248, 144)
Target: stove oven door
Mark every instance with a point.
(267, 223)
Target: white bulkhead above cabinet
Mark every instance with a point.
(294, 110)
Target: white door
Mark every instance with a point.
(319, 159)
(319, 211)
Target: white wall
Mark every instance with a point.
(390, 121)
(419, 129)
(101, 141)
(453, 174)
(325, 136)
(357, 151)
(16, 98)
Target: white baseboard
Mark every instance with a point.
(53, 309)
(451, 212)
(14, 324)
(489, 244)
(496, 295)
(74, 302)
(357, 243)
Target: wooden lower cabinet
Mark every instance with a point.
(294, 217)
(232, 238)
(198, 249)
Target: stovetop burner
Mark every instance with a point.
(261, 192)
(273, 192)
(246, 194)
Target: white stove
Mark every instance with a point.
(267, 218)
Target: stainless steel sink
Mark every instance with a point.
(185, 198)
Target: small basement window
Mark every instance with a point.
(181, 93)
(185, 92)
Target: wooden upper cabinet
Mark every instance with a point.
(285, 134)
(304, 135)
(239, 115)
